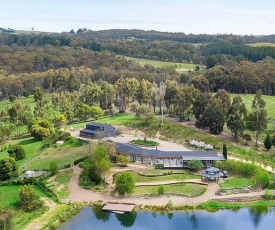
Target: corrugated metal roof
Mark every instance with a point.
(185, 155)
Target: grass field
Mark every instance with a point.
(259, 44)
(270, 108)
(238, 182)
(29, 100)
(158, 64)
(29, 144)
(189, 190)
(185, 176)
(60, 155)
(60, 183)
(9, 194)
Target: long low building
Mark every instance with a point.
(169, 159)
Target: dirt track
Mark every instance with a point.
(79, 194)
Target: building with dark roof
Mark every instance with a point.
(98, 130)
(169, 159)
(211, 174)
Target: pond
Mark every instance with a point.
(241, 219)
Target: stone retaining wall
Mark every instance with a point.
(239, 199)
(146, 196)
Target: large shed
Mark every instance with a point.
(169, 159)
(98, 130)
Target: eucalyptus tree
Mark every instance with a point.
(107, 95)
(184, 100)
(144, 92)
(170, 94)
(215, 116)
(237, 114)
(257, 120)
(200, 104)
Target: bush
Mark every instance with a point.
(261, 178)
(195, 165)
(79, 160)
(125, 182)
(53, 168)
(122, 160)
(28, 200)
(161, 190)
(17, 152)
(247, 137)
(237, 167)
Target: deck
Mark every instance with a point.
(118, 207)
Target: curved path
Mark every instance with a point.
(79, 194)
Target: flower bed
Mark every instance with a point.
(148, 143)
(200, 145)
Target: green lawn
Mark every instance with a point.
(190, 190)
(30, 145)
(62, 156)
(238, 182)
(29, 100)
(156, 64)
(60, 183)
(259, 44)
(270, 108)
(184, 176)
(9, 194)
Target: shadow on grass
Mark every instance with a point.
(27, 142)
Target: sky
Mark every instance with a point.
(192, 16)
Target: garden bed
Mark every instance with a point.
(147, 143)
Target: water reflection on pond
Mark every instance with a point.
(244, 219)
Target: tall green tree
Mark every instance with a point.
(42, 108)
(200, 82)
(200, 104)
(184, 100)
(100, 161)
(225, 98)
(237, 114)
(257, 120)
(171, 90)
(144, 92)
(215, 116)
(107, 95)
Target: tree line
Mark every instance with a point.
(213, 52)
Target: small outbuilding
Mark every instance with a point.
(211, 174)
(30, 174)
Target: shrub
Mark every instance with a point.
(12, 98)
(53, 168)
(28, 200)
(194, 165)
(17, 152)
(122, 160)
(261, 178)
(79, 160)
(125, 182)
(247, 137)
(161, 190)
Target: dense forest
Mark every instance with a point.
(49, 61)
